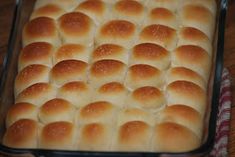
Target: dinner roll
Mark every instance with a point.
(72, 51)
(97, 10)
(40, 29)
(56, 110)
(99, 111)
(37, 94)
(133, 136)
(168, 4)
(68, 70)
(22, 134)
(110, 51)
(182, 73)
(113, 92)
(193, 36)
(199, 17)
(77, 92)
(30, 75)
(162, 16)
(135, 114)
(147, 97)
(36, 53)
(105, 71)
(172, 137)
(119, 32)
(21, 111)
(209, 4)
(194, 58)
(159, 34)
(67, 5)
(95, 137)
(187, 93)
(185, 116)
(151, 54)
(140, 75)
(76, 27)
(58, 135)
(50, 10)
(129, 10)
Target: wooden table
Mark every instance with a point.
(6, 14)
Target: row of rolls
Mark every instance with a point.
(104, 76)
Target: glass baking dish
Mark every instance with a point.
(22, 12)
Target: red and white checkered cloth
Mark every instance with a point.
(222, 128)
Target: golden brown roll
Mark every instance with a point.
(68, 70)
(135, 114)
(159, 34)
(77, 92)
(140, 75)
(58, 135)
(95, 9)
(147, 97)
(99, 111)
(199, 17)
(209, 4)
(67, 5)
(95, 136)
(105, 71)
(194, 58)
(72, 51)
(119, 32)
(30, 75)
(22, 134)
(76, 27)
(187, 93)
(168, 4)
(185, 74)
(50, 10)
(162, 16)
(172, 137)
(129, 10)
(193, 36)
(41, 29)
(56, 110)
(37, 94)
(36, 53)
(133, 136)
(21, 111)
(113, 92)
(151, 54)
(110, 51)
(185, 116)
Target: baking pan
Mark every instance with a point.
(22, 12)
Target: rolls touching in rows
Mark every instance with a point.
(120, 75)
